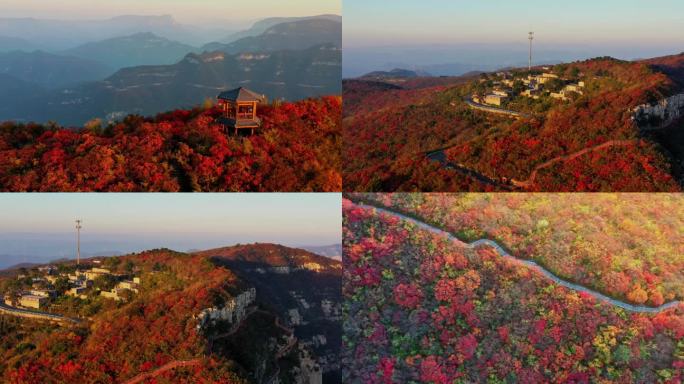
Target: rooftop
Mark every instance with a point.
(241, 94)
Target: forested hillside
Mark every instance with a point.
(298, 149)
(427, 308)
(588, 142)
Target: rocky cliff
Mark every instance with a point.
(660, 115)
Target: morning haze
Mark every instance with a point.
(40, 228)
(182, 10)
(458, 36)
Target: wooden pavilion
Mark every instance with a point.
(239, 107)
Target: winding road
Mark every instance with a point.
(484, 179)
(548, 274)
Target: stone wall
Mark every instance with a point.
(661, 114)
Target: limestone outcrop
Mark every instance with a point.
(661, 114)
(233, 311)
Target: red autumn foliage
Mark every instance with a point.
(388, 132)
(490, 319)
(298, 149)
(140, 336)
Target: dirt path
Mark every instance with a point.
(529, 263)
(609, 144)
(164, 368)
(526, 184)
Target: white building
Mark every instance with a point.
(32, 301)
(494, 100)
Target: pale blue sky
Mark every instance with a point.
(281, 215)
(576, 22)
(43, 224)
(183, 10)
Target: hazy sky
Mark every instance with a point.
(126, 222)
(577, 22)
(183, 10)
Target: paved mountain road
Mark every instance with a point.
(29, 314)
(529, 263)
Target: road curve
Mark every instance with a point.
(548, 274)
(441, 157)
(29, 314)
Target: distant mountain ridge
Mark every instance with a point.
(11, 43)
(66, 34)
(147, 90)
(294, 35)
(333, 251)
(396, 73)
(144, 48)
(49, 70)
(262, 25)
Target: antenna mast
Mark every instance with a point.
(78, 242)
(531, 37)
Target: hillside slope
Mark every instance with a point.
(390, 132)
(294, 284)
(158, 331)
(427, 308)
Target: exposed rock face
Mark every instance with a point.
(233, 311)
(660, 115)
(308, 372)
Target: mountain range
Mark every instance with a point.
(261, 26)
(292, 58)
(293, 35)
(147, 90)
(143, 48)
(56, 35)
(49, 70)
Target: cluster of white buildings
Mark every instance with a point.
(534, 88)
(233, 311)
(80, 281)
